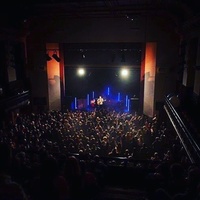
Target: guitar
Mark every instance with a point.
(100, 101)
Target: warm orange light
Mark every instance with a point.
(53, 74)
(149, 78)
(150, 58)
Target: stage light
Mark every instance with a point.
(82, 53)
(75, 103)
(124, 73)
(88, 99)
(118, 96)
(48, 58)
(81, 72)
(126, 100)
(128, 109)
(108, 91)
(55, 56)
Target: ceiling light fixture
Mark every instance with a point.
(48, 58)
(55, 56)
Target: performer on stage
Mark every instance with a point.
(100, 101)
(92, 103)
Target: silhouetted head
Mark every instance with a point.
(5, 157)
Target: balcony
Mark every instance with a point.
(14, 102)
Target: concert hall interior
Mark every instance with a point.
(100, 99)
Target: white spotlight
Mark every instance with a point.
(124, 73)
(81, 72)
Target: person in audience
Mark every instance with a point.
(192, 189)
(72, 174)
(9, 189)
(50, 184)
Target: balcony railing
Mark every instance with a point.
(15, 101)
(190, 145)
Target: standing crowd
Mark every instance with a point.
(42, 154)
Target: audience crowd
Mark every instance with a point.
(65, 155)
